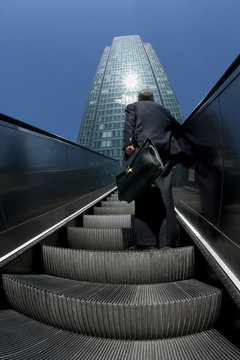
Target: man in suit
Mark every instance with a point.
(155, 220)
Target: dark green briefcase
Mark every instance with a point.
(145, 166)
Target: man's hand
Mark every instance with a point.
(129, 150)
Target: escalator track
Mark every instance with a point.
(97, 300)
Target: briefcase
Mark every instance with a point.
(142, 170)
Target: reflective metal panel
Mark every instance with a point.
(229, 102)
(40, 173)
(208, 194)
(201, 185)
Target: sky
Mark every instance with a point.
(50, 50)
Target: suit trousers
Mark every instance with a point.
(155, 221)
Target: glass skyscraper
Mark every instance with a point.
(126, 67)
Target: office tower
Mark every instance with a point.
(126, 67)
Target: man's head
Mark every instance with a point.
(145, 95)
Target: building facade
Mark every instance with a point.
(126, 67)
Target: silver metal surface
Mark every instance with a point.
(208, 194)
(41, 174)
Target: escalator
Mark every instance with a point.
(97, 300)
(71, 289)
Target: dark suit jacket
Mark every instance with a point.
(148, 119)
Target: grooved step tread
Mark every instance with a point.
(117, 203)
(108, 221)
(22, 338)
(110, 198)
(113, 210)
(99, 239)
(115, 311)
(120, 267)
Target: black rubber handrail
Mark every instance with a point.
(24, 125)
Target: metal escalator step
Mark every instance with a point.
(112, 199)
(108, 221)
(113, 210)
(116, 203)
(22, 338)
(99, 239)
(115, 311)
(120, 267)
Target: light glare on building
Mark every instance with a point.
(126, 67)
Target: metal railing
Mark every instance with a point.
(44, 179)
(207, 195)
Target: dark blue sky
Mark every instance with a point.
(50, 50)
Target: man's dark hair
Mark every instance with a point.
(145, 95)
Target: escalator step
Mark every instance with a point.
(122, 267)
(99, 239)
(22, 338)
(108, 221)
(116, 203)
(113, 210)
(112, 199)
(115, 311)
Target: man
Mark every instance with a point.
(155, 220)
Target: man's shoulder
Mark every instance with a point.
(131, 106)
(150, 104)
